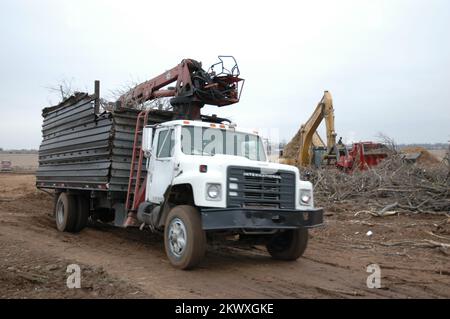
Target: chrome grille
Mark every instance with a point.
(256, 188)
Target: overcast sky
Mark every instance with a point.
(386, 63)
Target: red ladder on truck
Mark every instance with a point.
(136, 194)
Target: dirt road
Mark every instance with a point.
(128, 263)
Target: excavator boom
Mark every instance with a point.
(308, 132)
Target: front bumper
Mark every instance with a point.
(253, 218)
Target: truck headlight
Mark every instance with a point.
(305, 197)
(213, 191)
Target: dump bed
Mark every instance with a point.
(84, 150)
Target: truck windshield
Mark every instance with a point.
(210, 141)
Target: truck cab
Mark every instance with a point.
(207, 177)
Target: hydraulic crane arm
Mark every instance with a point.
(194, 87)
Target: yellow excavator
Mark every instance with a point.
(307, 147)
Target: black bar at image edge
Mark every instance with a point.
(226, 308)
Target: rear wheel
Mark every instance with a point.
(184, 238)
(82, 213)
(288, 244)
(66, 212)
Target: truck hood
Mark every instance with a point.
(223, 160)
(188, 172)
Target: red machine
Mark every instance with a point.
(194, 88)
(362, 155)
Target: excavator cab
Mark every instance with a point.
(322, 157)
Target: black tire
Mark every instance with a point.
(66, 212)
(195, 243)
(82, 213)
(288, 244)
(55, 201)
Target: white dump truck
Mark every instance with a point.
(185, 175)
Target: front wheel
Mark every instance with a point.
(184, 238)
(288, 244)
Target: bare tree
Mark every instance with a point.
(124, 89)
(64, 89)
(388, 141)
(159, 104)
(446, 159)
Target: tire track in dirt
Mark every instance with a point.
(330, 268)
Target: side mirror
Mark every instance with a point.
(307, 176)
(147, 141)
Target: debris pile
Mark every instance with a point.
(292, 148)
(392, 187)
(423, 155)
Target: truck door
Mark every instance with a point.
(160, 166)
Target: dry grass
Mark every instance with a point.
(21, 162)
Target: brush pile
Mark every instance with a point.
(389, 188)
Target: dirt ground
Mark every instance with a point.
(128, 263)
(439, 154)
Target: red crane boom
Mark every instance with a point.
(193, 89)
